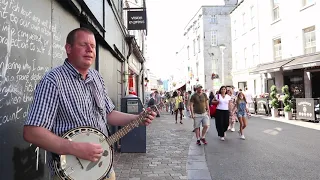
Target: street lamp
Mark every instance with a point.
(222, 48)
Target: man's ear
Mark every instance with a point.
(68, 48)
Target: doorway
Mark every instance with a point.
(315, 79)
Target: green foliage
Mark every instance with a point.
(287, 99)
(275, 103)
(287, 108)
(273, 96)
(285, 89)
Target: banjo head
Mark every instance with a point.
(69, 167)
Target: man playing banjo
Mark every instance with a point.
(71, 96)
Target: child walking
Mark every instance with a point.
(242, 113)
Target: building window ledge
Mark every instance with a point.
(275, 21)
(307, 6)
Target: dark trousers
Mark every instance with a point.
(222, 121)
(176, 112)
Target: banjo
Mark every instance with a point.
(69, 167)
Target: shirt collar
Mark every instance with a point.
(73, 71)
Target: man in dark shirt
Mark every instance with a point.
(151, 101)
(199, 106)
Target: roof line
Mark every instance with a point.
(236, 6)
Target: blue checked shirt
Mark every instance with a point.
(63, 101)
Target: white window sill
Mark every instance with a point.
(275, 21)
(307, 6)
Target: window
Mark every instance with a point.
(199, 46)
(275, 11)
(244, 22)
(254, 55)
(242, 85)
(214, 38)
(235, 66)
(277, 49)
(309, 40)
(252, 16)
(194, 47)
(235, 29)
(245, 57)
(308, 2)
(213, 19)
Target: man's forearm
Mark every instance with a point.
(117, 118)
(45, 139)
(191, 108)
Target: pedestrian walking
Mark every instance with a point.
(222, 112)
(199, 106)
(151, 101)
(178, 105)
(242, 113)
(232, 111)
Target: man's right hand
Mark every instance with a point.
(87, 151)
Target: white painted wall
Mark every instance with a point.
(293, 19)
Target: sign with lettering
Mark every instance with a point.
(305, 108)
(137, 20)
(262, 106)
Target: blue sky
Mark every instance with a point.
(166, 21)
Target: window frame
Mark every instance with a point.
(311, 33)
(277, 49)
(214, 38)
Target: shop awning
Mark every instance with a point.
(178, 87)
(270, 67)
(303, 62)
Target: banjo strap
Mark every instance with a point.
(98, 104)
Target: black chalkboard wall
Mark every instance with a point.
(31, 43)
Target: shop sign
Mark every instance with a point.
(305, 108)
(262, 106)
(137, 20)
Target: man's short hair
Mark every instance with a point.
(72, 34)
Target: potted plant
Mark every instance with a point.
(274, 101)
(287, 102)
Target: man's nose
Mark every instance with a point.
(89, 48)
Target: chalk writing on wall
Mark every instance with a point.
(29, 43)
(35, 39)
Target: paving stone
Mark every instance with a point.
(167, 152)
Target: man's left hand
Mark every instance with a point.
(149, 118)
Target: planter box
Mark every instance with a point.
(274, 112)
(288, 115)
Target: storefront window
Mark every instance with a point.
(270, 82)
(242, 85)
(296, 86)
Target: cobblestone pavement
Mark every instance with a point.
(167, 152)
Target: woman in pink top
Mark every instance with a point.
(222, 113)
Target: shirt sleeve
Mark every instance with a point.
(109, 104)
(44, 107)
(192, 99)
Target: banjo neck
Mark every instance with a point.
(133, 124)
